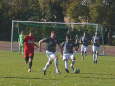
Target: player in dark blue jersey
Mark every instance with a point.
(51, 44)
(69, 47)
(95, 47)
(84, 46)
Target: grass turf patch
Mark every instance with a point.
(13, 71)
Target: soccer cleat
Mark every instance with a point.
(77, 70)
(96, 62)
(44, 71)
(72, 68)
(26, 62)
(57, 72)
(67, 70)
(29, 70)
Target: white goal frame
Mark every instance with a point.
(37, 22)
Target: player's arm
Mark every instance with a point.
(36, 45)
(40, 43)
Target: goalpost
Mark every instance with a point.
(63, 27)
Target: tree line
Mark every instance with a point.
(96, 11)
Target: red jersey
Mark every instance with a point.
(29, 43)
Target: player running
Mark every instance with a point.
(21, 42)
(84, 46)
(69, 47)
(51, 51)
(29, 50)
(95, 47)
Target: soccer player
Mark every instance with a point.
(21, 42)
(69, 47)
(84, 46)
(51, 51)
(95, 47)
(29, 50)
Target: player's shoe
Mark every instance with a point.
(57, 72)
(26, 62)
(96, 62)
(29, 70)
(44, 71)
(72, 69)
(67, 70)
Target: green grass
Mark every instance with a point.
(13, 72)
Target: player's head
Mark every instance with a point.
(53, 34)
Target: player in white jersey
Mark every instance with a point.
(84, 46)
(95, 47)
(69, 46)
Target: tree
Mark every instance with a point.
(51, 10)
(77, 11)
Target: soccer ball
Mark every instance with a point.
(77, 70)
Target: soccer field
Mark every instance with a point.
(13, 72)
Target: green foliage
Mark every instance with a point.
(54, 10)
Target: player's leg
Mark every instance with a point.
(26, 59)
(19, 48)
(56, 65)
(82, 51)
(26, 56)
(30, 63)
(73, 62)
(22, 49)
(94, 54)
(85, 50)
(54, 57)
(49, 62)
(65, 58)
(97, 52)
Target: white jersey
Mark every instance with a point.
(96, 41)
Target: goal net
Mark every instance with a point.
(43, 29)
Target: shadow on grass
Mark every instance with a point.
(97, 73)
(92, 75)
(17, 77)
(98, 78)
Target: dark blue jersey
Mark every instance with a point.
(84, 41)
(51, 44)
(68, 46)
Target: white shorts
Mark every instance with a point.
(83, 48)
(95, 48)
(68, 56)
(51, 55)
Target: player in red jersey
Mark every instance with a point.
(29, 50)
